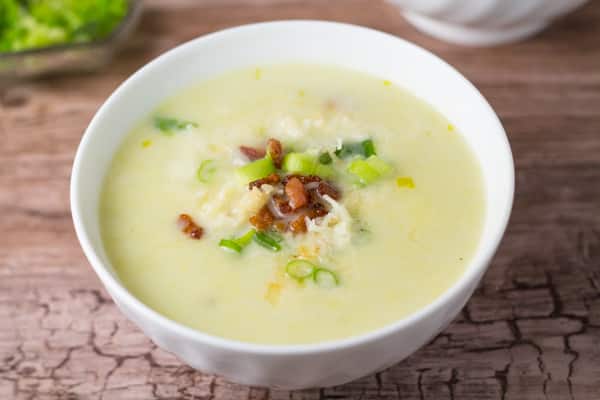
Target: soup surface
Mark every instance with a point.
(389, 223)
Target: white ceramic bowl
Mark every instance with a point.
(327, 363)
(484, 22)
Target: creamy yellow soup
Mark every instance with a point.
(393, 243)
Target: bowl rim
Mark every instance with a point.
(116, 289)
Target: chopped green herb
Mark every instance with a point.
(324, 171)
(325, 158)
(246, 238)
(368, 148)
(231, 245)
(206, 170)
(306, 164)
(300, 269)
(369, 170)
(325, 278)
(363, 171)
(276, 236)
(267, 241)
(256, 169)
(168, 126)
(300, 163)
(365, 149)
(405, 182)
(349, 150)
(382, 167)
(237, 245)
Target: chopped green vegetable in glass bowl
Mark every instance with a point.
(41, 37)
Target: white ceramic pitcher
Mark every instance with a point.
(483, 22)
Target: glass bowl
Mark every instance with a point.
(65, 58)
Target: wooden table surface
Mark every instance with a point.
(531, 331)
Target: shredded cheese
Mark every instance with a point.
(326, 234)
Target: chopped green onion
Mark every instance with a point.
(324, 171)
(325, 158)
(246, 238)
(206, 170)
(238, 244)
(168, 126)
(365, 149)
(349, 149)
(306, 164)
(276, 236)
(406, 182)
(300, 269)
(363, 171)
(325, 278)
(267, 241)
(256, 169)
(301, 163)
(368, 148)
(369, 170)
(383, 167)
(231, 245)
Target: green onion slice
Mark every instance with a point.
(246, 238)
(237, 245)
(206, 170)
(308, 164)
(231, 245)
(364, 149)
(363, 171)
(300, 163)
(382, 167)
(325, 278)
(276, 236)
(369, 170)
(325, 158)
(368, 148)
(256, 169)
(349, 149)
(169, 125)
(300, 269)
(266, 241)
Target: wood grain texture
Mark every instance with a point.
(531, 331)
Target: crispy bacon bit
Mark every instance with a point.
(298, 224)
(305, 179)
(282, 204)
(263, 220)
(280, 225)
(318, 213)
(295, 198)
(317, 210)
(326, 189)
(296, 192)
(275, 151)
(189, 227)
(252, 153)
(269, 180)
